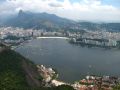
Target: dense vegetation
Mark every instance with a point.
(13, 76)
(37, 21)
(117, 87)
(12, 37)
(11, 73)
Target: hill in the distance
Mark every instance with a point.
(38, 20)
(52, 22)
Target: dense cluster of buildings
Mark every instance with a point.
(10, 35)
(95, 38)
(48, 74)
(97, 83)
(20, 32)
(91, 82)
(96, 42)
(98, 38)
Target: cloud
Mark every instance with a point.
(55, 4)
(82, 10)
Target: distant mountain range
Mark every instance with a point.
(52, 22)
(38, 21)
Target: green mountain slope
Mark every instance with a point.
(38, 21)
(18, 73)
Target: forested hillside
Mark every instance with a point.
(18, 73)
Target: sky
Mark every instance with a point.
(90, 10)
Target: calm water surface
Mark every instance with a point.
(71, 61)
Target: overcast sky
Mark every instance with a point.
(91, 10)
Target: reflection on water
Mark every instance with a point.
(72, 62)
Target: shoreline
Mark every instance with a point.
(90, 82)
(70, 41)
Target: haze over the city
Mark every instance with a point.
(90, 10)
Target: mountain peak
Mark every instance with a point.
(21, 12)
(27, 19)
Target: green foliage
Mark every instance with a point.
(12, 37)
(1, 45)
(40, 78)
(12, 75)
(37, 21)
(11, 72)
(10, 80)
(86, 83)
(64, 87)
(117, 87)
